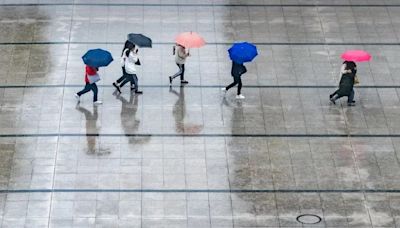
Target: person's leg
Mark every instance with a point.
(136, 82)
(350, 98)
(119, 80)
(95, 91)
(182, 72)
(333, 94)
(232, 84)
(84, 90)
(239, 81)
(128, 78)
(179, 72)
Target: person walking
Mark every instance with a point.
(237, 70)
(91, 77)
(180, 58)
(128, 45)
(130, 59)
(346, 84)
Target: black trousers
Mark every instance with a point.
(89, 87)
(124, 76)
(131, 78)
(236, 81)
(181, 71)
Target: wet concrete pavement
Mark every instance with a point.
(188, 156)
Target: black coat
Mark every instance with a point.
(346, 84)
(238, 69)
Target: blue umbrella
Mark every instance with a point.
(242, 52)
(97, 58)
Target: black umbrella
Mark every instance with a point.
(140, 40)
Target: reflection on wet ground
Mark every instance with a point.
(190, 156)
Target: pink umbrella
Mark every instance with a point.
(190, 40)
(356, 56)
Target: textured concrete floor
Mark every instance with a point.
(188, 156)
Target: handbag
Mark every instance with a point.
(93, 78)
(356, 80)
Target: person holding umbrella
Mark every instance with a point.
(133, 41)
(346, 84)
(237, 70)
(131, 59)
(348, 75)
(91, 77)
(240, 53)
(184, 41)
(93, 59)
(128, 45)
(180, 58)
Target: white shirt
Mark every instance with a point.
(130, 61)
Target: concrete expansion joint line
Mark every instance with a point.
(202, 190)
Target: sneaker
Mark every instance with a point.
(351, 104)
(77, 97)
(184, 82)
(223, 90)
(170, 80)
(138, 92)
(117, 87)
(330, 96)
(98, 102)
(240, 96)
(332, 100)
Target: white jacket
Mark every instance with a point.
(130, 61)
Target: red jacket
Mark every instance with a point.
(89, 71)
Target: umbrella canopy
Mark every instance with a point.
(356, 56)
(140, 40)
(97, 58)
(190, 40)
(243, 52)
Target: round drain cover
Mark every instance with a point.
(308, 219)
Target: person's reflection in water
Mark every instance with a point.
(240, 168)
(179, 110)
(179, 113)
(129, 122)
(91, 128)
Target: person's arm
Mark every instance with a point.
(244, 70)
(134, 57)
(182, 54)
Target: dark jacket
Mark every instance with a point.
(346, 84)
(238, 69)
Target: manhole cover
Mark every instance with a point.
(308, 219)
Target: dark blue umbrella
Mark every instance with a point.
(242, 52)
(97, 58)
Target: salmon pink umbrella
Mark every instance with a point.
(190, 40)
(356, 56)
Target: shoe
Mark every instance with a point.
(116, 87)
(351, 104)
(332, 100)
(138, 92)
(240, 96)
(223, 90)
(170, 80)
(330, 96)
(184, 82)
(98, 102)
(77, 97)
